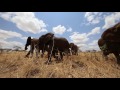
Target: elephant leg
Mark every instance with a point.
(42, 53)
(61, 55)
(49, 58)
(31, 54)
(69, 54)
(50, 52)
(56, 54)
(53, 54)
(105, 56)
(37, 51)
(77, 53)
(70, 51)
(118, 57)
(31, 51)
(27, 54)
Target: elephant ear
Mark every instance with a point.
(28, 40)
(44, 39)
(71, 45)
(41, 40)
(49, 37)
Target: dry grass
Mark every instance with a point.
(85, 65)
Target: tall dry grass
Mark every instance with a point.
(85, 65)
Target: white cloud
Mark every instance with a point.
(44, 30)
(81, 39)
(93, 45)
(93, 17)
(59, 29)
(10, 34)
(87, 14)
(10, 44)
(5, 35)
(25, 21)
(24, 38)
(84, 47)
(111, 20)
(78, 38)
(96, 30)
(90, 46)
(69, 29)
(6, 15)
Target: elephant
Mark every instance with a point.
(108, 47)
(74, 49)
(110, 42)
(34, 45)
(56, 44)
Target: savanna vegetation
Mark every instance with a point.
(85, 65)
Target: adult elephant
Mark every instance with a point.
(112, 34)
(74, 49)
(56, 44)
(34, 46)
(110, 42)
(108, 47)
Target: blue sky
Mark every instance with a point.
(81, 28)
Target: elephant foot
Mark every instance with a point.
(58, 61)
(48, 62)
(30, 56)
(37, 57)
(57, 58)
(61, 59)
(26, 56)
